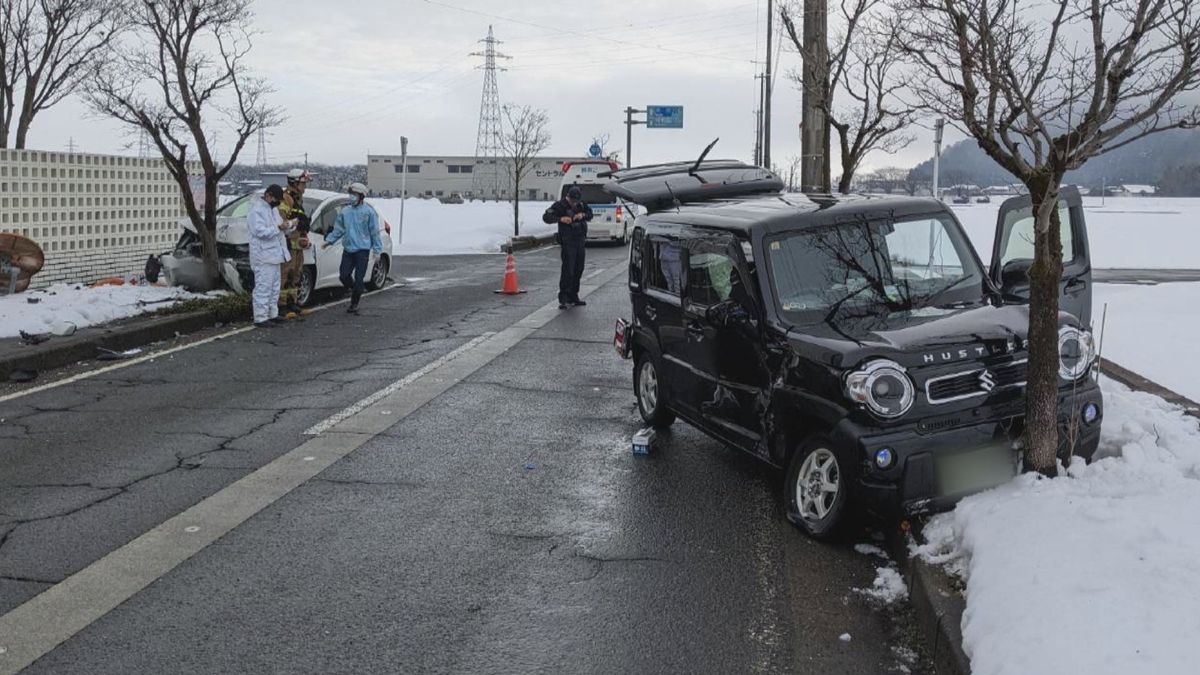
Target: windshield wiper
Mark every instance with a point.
(953, 284)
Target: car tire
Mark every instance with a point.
(816, 489)
(379, 273)
(308, 285)
(647, 387)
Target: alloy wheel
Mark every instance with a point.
(648, 387)
(817, 485)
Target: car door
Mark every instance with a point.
(662, 309)
(726, 372)
(1012, 253)
(328, 260)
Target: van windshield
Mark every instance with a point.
(592, 193)
(872, 267)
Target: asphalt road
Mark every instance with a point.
(502, 526)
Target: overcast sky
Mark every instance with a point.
(354, 75)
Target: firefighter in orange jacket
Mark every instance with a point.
(292, 208)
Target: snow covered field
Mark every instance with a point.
(434, 228)
(1151, 330)
(1091, 573)
(1126, 232)
(63, 308)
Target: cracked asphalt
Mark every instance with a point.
(503, 527)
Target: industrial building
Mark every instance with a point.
(448, 176)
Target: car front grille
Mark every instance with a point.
(976, 382)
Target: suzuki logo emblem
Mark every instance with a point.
(987, 380)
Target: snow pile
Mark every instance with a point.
(434, 228)
(1091, 573)
(1126, 232)
(1166, 316)
(62, 308)
(889, 586)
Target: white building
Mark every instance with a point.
(93, 215)
(448, 176)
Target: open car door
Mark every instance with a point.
(1012, 254)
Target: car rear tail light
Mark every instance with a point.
(620, 213)
(387, 227)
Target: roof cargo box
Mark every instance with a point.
(662, 186)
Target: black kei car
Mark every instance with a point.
(859, 343)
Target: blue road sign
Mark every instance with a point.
(595, 150)
(664, 117)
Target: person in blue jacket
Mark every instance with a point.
(357, 227)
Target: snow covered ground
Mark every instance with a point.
(434, 228)
(1090, 573)
(1126, 232)
(1151, 330)
(61, 309)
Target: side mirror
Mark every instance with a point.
(728, 314)
(1014, 278)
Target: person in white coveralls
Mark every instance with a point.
(268, 250)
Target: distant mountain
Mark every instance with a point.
(1170, 160)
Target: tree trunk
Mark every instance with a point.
(517, 208)
(22, 131)
(1041, 396)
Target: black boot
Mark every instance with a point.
(354, 298)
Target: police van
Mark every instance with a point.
(611, 216)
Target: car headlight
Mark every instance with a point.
(1076, 351)
(883, 386)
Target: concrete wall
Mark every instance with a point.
(93, 215)
(443, 176)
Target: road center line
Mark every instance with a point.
(35, 628)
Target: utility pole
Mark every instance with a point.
(306, 161)
(814, 123)
(768, 81)
(629, 122)
(758, 119)
(938, 126)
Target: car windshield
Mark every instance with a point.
(238, 208)
(592, 193)
(872, 267)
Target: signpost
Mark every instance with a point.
(403, 184)
(657, 117)
(664, 117)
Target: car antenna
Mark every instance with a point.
(692, 171)
(674, 199)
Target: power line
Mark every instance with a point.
(561, 30)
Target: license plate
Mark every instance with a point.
(621, 338)
(974, 470)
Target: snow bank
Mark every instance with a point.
(1126, 232)
(1092, 573)
(1164, 316)
(63, 306)
(434, 228)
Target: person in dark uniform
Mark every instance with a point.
(572, 216)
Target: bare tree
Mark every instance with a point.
(47, 48)
(1043, 86)
(179, 92)
(524, 135)
(864, 70)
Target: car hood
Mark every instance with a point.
(923, 337)
(234, 231)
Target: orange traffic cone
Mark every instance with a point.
(509, 287)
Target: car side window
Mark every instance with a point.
(664, 266)
(711, 277)
(1017, 241)
(635, 258)
(324, 222)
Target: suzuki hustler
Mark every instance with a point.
(856, 342)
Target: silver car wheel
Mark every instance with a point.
(648, 387)
(817, 485)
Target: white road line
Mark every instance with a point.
(43, 623)
(166, 352)
(324, 425)
(122, 364)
